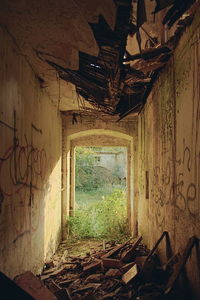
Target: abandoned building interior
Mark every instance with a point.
(99, 73)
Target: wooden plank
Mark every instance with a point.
(127, 267)
(92, 267)
(10, 290)
(131, 274)
(127, 255)
(192, 241)
(34, 286)
(111, 263)
(165, 233)
(115, 250)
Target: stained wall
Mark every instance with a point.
(169, 154)
(30, 165)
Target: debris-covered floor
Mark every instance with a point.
(98, 270)
(94, 270)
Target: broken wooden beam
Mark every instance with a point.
(34, 286)
(129, 253)
(148, 53)
(10, 290)
(192, 241)
(115, 250)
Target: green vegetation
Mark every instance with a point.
(103, 219)
(85, 198)
(88, 175)
(100, 210)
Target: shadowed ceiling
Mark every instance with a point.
(95, 55)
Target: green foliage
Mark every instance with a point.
(87, 176)
(103, 219)
(84, 168)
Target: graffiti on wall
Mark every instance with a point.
(162, 181)
(22, 175)
(186, 187)
(176, 188)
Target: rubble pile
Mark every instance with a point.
(125, 271)
(118, 271)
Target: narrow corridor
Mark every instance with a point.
(109, 73)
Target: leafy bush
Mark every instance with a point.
(103, 219)
(89, 176)
(84, 168)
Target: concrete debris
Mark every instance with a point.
(105, 275)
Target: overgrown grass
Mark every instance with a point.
(106, 218)
(85, 198)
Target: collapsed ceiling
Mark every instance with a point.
(84, 43)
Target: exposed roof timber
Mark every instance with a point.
(149, 53)
(85, 42)
(98, 78)
(116, 82)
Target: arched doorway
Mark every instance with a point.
(92, 138)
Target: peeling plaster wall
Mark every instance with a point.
(30, 166)
(169, 149)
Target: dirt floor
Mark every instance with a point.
(79, 248)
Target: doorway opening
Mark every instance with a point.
(100, 193)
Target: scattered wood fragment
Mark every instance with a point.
(65, 283)
(63, 294)
(130, 271)
(140, 260)
(130, 275)
(10, 290)
(92, 267)
(128, 254)
(181, 263)
(114, 251)
(34, 286)
(111, 263)
(113, 273)
(90, 286)
(94, 278)
(127, 267)
(164, 234)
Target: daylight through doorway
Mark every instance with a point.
(100, 193)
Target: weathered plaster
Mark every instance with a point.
(55, 31)
(30, 166)
(169, 148)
